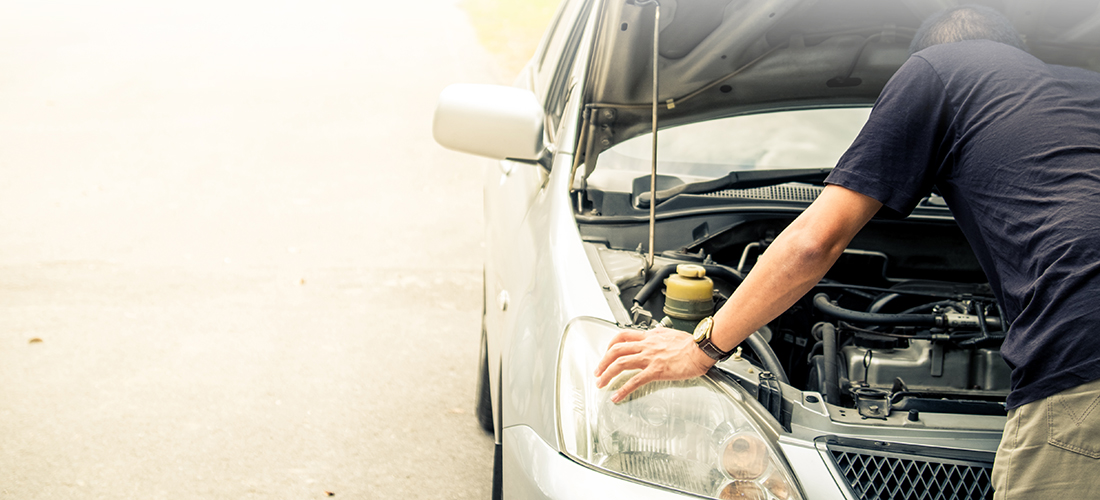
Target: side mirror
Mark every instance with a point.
(489, 120)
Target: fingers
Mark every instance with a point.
(620, 365)
(641, 378)
(616, 351)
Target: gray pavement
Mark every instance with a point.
(233, 263)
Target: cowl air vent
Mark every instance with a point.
(782, 192)
(879, 470)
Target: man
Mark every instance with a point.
(1013, 145)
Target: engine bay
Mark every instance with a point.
(904, 322)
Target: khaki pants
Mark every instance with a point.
(1051, 448)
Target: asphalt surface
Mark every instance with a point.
(233, 263)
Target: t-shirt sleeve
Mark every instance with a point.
(898, 155)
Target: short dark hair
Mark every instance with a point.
(967, 22)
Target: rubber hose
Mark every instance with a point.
(832, 385)
(767, 355)
(821, 301)
(881, 302)
(654, 283)
(733, 277)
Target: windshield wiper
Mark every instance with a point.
(741, 180)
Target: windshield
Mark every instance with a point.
(807, 138)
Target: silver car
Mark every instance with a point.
(647, 155)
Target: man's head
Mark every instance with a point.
(968, 22)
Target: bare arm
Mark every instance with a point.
(795, 262)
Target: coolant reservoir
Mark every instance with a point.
(689, 296)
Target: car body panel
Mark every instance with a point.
(509, 193)
(566, 288)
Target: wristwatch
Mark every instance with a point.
(702, 339)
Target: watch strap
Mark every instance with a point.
(713, 351)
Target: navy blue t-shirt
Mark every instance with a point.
(1013, 144)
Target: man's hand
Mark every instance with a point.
(661, 354)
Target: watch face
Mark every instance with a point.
(702, 331)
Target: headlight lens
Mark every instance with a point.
(690, 436)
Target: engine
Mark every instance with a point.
(861, 339)
(937, 349)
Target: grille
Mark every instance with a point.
(876, 470)
(782, 192)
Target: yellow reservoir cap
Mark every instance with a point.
(689, 284)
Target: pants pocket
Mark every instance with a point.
(1074, 419)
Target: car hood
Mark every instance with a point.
(724, 57)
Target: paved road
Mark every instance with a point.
(233, 264)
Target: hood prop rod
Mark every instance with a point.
(653, 167)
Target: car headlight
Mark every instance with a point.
(691, 436)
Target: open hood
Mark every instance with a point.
(724, 57)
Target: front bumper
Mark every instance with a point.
(534, 469)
